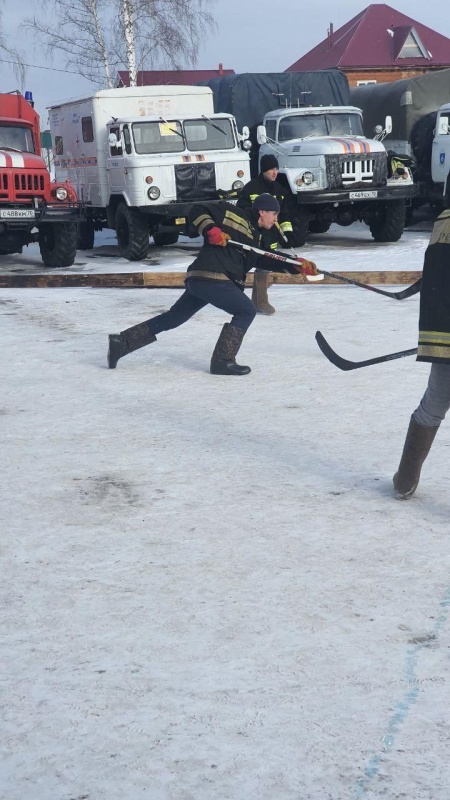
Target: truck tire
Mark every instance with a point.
(58, 243)
(389, 222)
(85, 235)
(132, 233)
(422, 139)
(319, 226)
(163, 239)
(300, 225)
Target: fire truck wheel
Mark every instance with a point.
(163, 239)
(132, 233)
(86, 235)
(58, 243)
(300, 225)
(388, 223)
(319, 225)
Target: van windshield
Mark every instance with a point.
(16, 137)
(158, 137)
(301, 126)
(209, 134)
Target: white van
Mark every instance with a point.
(139, 157)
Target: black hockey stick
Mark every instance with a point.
(346, 365)
(395, 295)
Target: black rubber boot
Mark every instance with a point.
(223, 360)
(261, 283)
(416, 448)
(120, 344)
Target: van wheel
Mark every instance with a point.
(163, 239)
(388, 223)
(58, 243)
(319, 226)
(86, 235)
(132, 233)
(300, 225)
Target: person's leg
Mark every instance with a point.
(145, 332)
(232, 299)
(261, 282)
(423, 426)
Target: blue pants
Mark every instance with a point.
(198, 294)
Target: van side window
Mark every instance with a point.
(271, 128)
(59, 147)
(87, 129)
(115, 149)
(127, 139)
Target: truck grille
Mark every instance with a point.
(195, 181)
(349, 170)
(21, 185)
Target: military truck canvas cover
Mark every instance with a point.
(406, 101)
(251, 95)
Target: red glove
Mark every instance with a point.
(306, 267)
(217, 236)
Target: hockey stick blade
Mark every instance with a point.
(344, 364)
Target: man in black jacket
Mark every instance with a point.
(281, 235)
(217, 276)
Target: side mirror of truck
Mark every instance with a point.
(378, 129)
(112, 139)
(388, 125)
(444, 128)
(261, 135)
(245, 133)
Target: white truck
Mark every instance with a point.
(139, 157)
(333, 173)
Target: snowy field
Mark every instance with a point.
(209, 591)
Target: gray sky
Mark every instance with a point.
(251, 36)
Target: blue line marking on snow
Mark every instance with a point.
(403, 707)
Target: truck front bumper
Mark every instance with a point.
(357, 196)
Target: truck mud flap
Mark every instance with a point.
(195, 182)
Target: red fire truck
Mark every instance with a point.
(33, 208)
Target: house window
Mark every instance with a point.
(413, 47)
(364, 83)
(87, 129)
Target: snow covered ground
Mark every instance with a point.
(208, 590)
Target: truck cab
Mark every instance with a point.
(333, 172)
(440, 157)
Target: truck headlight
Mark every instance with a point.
(247, 145)
(153, 193)
(237, 185)
(308, 178)
(61, 194)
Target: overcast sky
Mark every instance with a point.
(251, 36)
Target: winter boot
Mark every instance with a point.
(120, 344)
(261, 283)
(223, 358)
(417, 446)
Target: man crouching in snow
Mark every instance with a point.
(217, 276)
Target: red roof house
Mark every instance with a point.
(379, 44)
(172, 77)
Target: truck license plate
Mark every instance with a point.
(362, 195)
(16, 213)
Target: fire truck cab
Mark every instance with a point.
(32, 207)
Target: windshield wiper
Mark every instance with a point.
(6, 147)
(214, 126)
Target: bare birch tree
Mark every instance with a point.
(14, 56)
(77, 30)
(98, 37)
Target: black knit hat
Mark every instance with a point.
(268, 161)
(266, 202)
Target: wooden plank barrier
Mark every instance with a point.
(175, 280)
